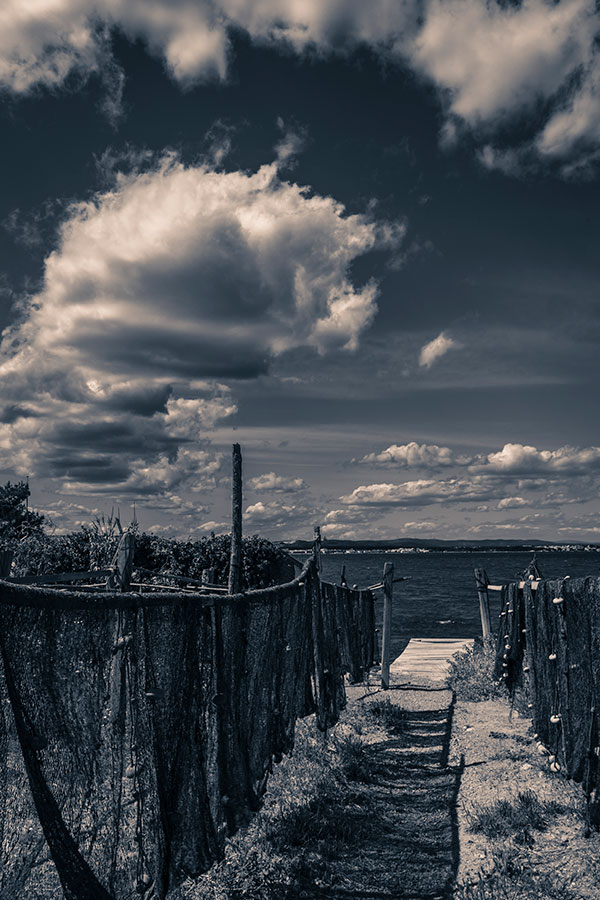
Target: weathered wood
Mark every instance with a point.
(6, 558)
(317, 548)
(531, 582)
(388, 596)
(482, 582)
(343, 581)
(125, 553)
(57, 577)
(235, 561)
(208, 576)
(428, 659)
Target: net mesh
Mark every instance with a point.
(549, 642)
(138, 732)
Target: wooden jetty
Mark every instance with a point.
(427, 659)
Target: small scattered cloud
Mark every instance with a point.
(512, 503)
(422, 492)
(414, 455)
(525, 460)
(437, 348)
(277, 483)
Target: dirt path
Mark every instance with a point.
(410, 851)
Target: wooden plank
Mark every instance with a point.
(57, 577)
(498, 587)
(428, 658)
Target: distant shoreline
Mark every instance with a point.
(409, 545)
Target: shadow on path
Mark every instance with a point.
(406, 847)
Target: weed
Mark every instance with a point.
(515, 817)
(392, 718)
(472, 675)
(354, 759)
(511, 878)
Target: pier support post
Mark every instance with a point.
(482, 582)
(388, 595)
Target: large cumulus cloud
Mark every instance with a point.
(491, 61)
(178, 279)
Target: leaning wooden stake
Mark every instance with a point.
(388, 595)
(235, 561)
(484, 606)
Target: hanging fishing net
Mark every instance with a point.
(138, 731)
(549, 642)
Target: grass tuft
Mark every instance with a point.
(354, 759)
(510, 878)
(517, 817)
(392, 718)
(472, 675)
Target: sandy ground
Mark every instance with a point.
(494, 757)
(500, 761)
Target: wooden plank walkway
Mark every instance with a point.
(427, 659)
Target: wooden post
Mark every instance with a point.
(208, 575)
(343, 581)
(317, 548)
(125, 559)
(235, 561)
(388, 595)
(122, 564)
(482, 582)
(6, 558)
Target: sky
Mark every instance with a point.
(360, 239)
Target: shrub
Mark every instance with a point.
(472, 675)
(93, 547)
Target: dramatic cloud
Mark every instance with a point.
(177, 277)
(435, 349)
(413, 455)
(491, 61)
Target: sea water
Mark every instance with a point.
(439, 599)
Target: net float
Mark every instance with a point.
(555, 719)
(155, 694)
(555, 766)
(542, 749)
(526, 668)
(552, 656)
(530, 706)
(523, 631)
(558, 600)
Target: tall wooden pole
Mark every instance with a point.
(317, 548)
(388, 596)
(235, 562)
(484, 606)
